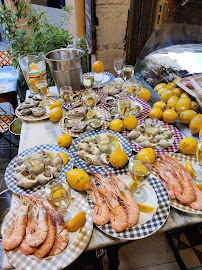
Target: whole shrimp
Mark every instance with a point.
(36, 232)
(14, 236)
(46, 246)
(197, 203)
(126, 196)
(101, 212)
(62, 236)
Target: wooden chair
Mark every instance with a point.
(5, 121)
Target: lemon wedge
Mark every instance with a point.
(145, 208)
(45, 103)
(56, 104)
(65, 157)
(58, 193)
(190, 169)
(117, 143)
(132, 186)
(199, 186)
(50, 155)
(91, 114)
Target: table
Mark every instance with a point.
(46, 132)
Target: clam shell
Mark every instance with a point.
(104, 158)
(71, 122)
(89, 139)
(27, 111)
(93, 160)
(79, 128)
(95, 123)
(137, 111)
(134, 134)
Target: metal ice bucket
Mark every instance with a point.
(65, 66)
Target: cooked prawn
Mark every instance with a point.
(126, 196)
(197, 203)
(14, 236)
(101, 212)
(46, 246)
(36, 231)
(62, 236)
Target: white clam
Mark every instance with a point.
(25, 182)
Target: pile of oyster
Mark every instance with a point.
(163, 137)
(116, 88)
(31, 107)
(89, 150)
(76, 120)
(52, 170)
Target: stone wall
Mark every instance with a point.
(112, 16)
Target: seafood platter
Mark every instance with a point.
(76, 123)
(182, 189)
(160, 136)
(35, 167)
(51, 243)
(93, 148)
(32, 110)
(108, 190)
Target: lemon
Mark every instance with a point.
(77, 222)
(140, 169)
(117, 143)
(33, 67)
(145, 208)
(55, 105)
(178, 92)
(186, 116)
(132, 186)
(98, 67)
(161, 105)
(171, 86)
(56, 114)
(130, 122)
(188, 146)
(118, 158)
(200, 133)
(194, 106)
(195, 124)
(32, 81)
(65, 157)
(50, 155)
(59, 193)
(162, 90)
(116, 125)
(199, 185)
(170, 116)
(172, 102)
(78, 179)
(183, 104)
(189, 167)
(185, 95)
(166, 95)
(45, 103)
(155, 113)
(145, 94)
(175, 80)
(64, 140)
(148, 152)
(159, 86)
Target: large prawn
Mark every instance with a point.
(62, 236)
(15, 235)
(101, 212)
(126, 196)
(36, 231)
(197, 203)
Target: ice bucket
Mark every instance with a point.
(65, 66)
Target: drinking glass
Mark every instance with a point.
(128, 72)
(89, 99)
(34, 163)
(98, 79)
(139, 169)
(118, 66)
(58, 194)
(42, 87)
(66, 94)
(135, 88)
(124, 107)
(88, 81)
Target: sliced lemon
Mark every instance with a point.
(45, 103)
(145, 208)
(65, 157)
(50, 155)
(58, 193)
(199, 186)
(91, 114)
(117, 143)
(189, 167)
(56, 104)
(132, 186)
(130, 89)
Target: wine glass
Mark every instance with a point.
(88, 81)
(128, 72)
(66, 94)
(98, 79)
(118, 66)
(124, 107)
(42, 87)
(139, 169)
(89, 99)
(135, 88)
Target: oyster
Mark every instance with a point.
(104, 158)
(37, 97)
(114, 90)
(134, 134)
(95, 123)
(39, 111)
(89, 139)
(20, 168)
(111, 101)
(20, 160)
(18, 176)
(71, 122)
(25, 106)
(77, 103)
(76, 115)
(137, 111)
(79, 128)
(113, 110)
(27, 111)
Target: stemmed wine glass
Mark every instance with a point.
(118, 66)
(123, 107)
(139, 169)
(98, 79)
(135, 88)
(89, 99)
(128, 72)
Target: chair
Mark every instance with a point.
(5, 121)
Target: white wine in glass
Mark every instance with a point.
(128, 72)
(135, 88)
(88, 81)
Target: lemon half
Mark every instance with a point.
(50, 155)
(189, 167)
(65, 157)
(145, 208)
